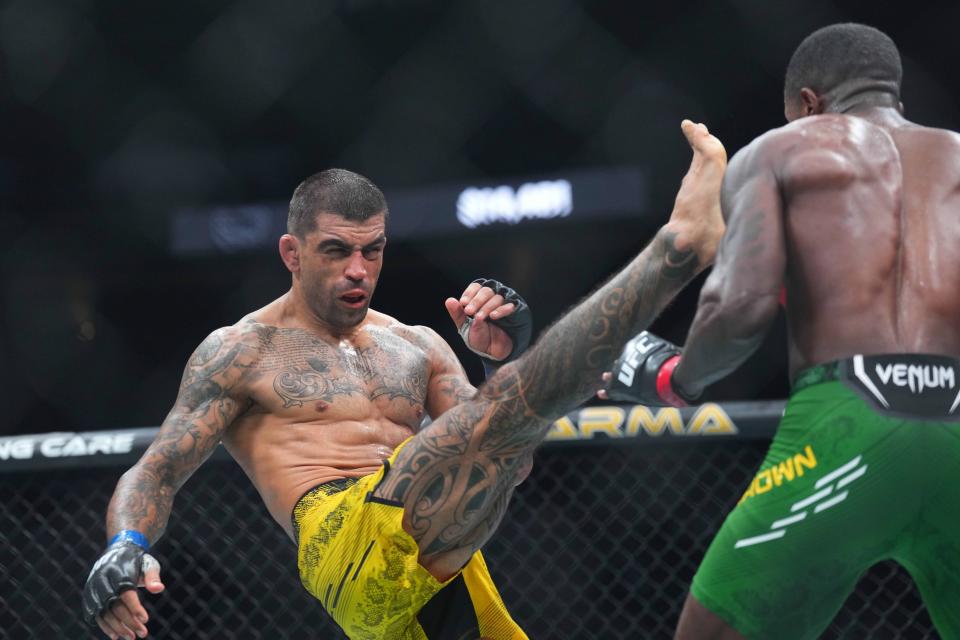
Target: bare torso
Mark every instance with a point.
(322, 409)
(872, 226)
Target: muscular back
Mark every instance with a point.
(872, 235)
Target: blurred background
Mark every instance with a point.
(148, 151)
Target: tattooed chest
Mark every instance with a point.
(383, 375)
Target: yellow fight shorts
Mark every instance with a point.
(356, 559)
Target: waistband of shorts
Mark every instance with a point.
(319, 492)
(836, 369)
(825, 372)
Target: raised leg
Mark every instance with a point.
(456, 477)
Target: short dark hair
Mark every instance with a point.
(842, 56)
(337, 191)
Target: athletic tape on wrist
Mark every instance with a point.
(129, 535)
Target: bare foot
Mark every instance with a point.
(696, 213)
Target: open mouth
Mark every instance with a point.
(354, 299)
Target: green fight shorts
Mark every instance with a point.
(865, 467)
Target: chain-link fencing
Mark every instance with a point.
(601, 542)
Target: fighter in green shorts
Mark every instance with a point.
(842, 487)
(857, 211)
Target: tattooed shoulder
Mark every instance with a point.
(223, 356)
(428, 341)
(417, 335)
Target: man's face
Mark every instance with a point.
(339, 265)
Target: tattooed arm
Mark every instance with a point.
(741, 296)
(210, 398)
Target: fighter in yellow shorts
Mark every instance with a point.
(356, 558)
(314, 394)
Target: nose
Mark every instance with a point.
(356, 269)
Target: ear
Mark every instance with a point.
(290, 252)
(811, 103)
(900, 108)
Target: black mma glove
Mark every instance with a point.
(518, 325)
(643, 373)
(119, 569)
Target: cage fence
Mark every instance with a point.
(600, 542)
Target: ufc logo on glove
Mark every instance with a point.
(636, 350)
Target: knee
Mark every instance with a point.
(526, 466)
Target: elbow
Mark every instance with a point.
(148, 474)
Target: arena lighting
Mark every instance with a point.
(448, 209)
(531, 200)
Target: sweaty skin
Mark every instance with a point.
(856, 214)
(321, 411)
(298, 401)
(872, 229)
(315, 387)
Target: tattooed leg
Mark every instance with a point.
(456, 476)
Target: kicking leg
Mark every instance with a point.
(455, 478)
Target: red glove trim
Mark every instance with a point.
(664, 387)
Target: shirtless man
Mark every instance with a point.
(320, 401)
(856, 210)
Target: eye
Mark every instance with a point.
(372, 253)
(337, 252)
